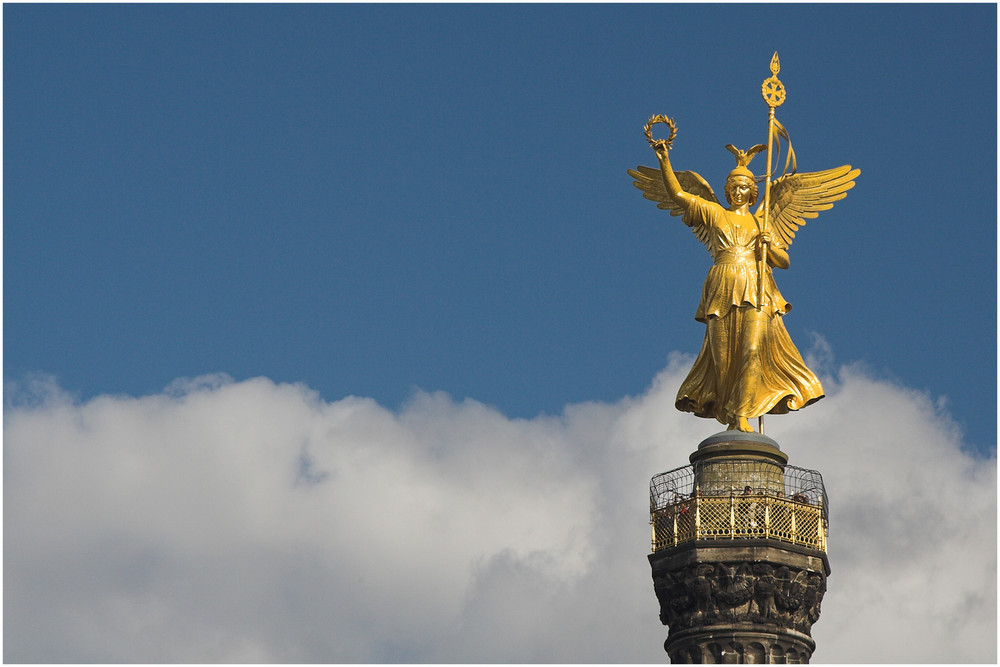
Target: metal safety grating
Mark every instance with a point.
(787, 504)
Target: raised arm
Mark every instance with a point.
(674, 188)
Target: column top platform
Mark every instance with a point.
(738, 436)
(737, 444)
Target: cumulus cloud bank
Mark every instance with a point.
(255, 522)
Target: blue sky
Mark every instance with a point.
(371, 199)
(396, 245)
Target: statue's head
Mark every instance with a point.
(741, 176)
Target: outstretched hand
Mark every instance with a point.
(661, 147)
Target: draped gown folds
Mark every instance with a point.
(748, 365)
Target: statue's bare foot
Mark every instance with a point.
(741, 424)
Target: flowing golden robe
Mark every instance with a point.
(748, 365)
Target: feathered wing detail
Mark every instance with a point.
(798, 196)
(650, 181)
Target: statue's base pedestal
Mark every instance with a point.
(737, 444)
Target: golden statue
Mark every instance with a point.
(748, 365)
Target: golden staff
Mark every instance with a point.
(773, 92)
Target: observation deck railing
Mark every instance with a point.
(791, 508)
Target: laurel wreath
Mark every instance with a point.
(647, 129)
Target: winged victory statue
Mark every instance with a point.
(748, 365)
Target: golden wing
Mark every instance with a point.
(650, 181)
(798, 196)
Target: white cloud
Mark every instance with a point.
(252, 521)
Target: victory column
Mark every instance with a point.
(739, 536)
